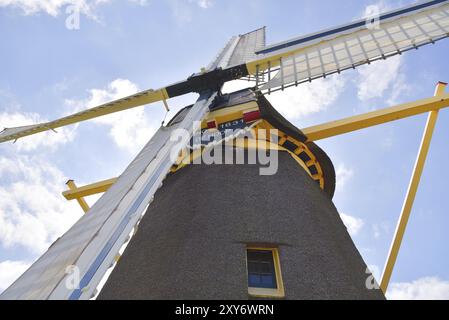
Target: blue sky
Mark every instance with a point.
(48, 71)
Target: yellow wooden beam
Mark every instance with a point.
(72, 186)
(377, 117)
(411, 193)
(88, 190)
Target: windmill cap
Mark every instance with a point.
(443, 83)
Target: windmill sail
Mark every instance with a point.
(331, 51)
(248, 46)
(94, 241)
(135, 100)
(240, 49)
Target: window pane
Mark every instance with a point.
(268, 281)
(254, 280)
(261, 271)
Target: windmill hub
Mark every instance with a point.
(211, 80)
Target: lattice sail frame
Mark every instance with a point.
(373, 41)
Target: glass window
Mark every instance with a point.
(264, 272)
(261, 271)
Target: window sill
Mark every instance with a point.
(266, 293)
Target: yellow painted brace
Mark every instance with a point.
(374, 118)
(88, 190)
(411, 192)
(282, 138)
(72, 186)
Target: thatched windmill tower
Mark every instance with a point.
(210, 226)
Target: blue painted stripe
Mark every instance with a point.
(354, 25)
(76, 294)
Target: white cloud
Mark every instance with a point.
(52, 7)
(308, 98)
(343, 174)
(10, 271)
(47, 139)
(55, 7)
(182, 10)
(205, 4)
(140, 2)
(236, 85)
(33, 212)
(428, 288)
(375, 80)
(380, 228)
(353, 224)
(376, 231)
(400, 87)
(130, 129)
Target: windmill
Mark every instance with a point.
(229, 241)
